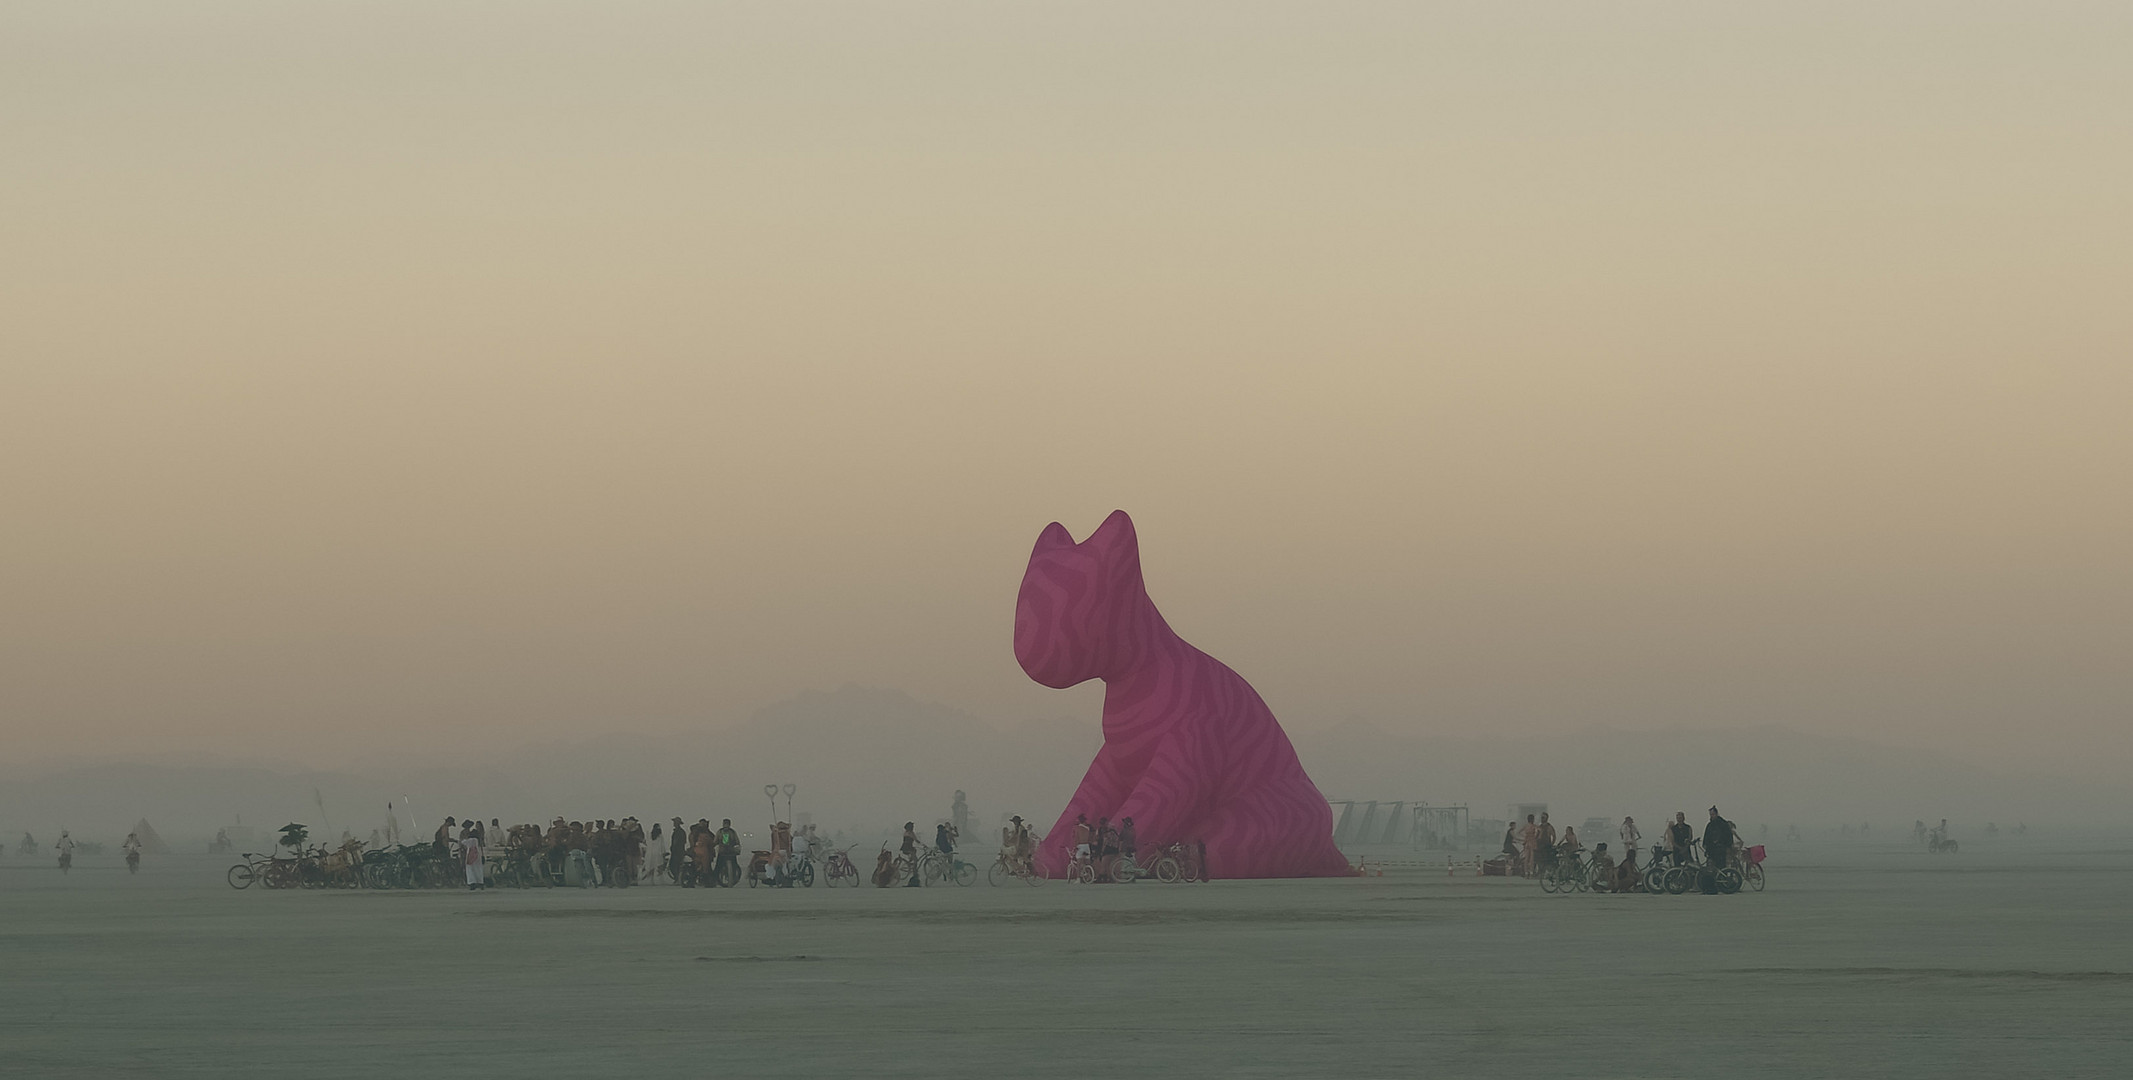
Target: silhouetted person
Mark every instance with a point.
(1682, 834)
(1717, 841)
(910, 850)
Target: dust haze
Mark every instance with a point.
(607, 404)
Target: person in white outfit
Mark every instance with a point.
(470, 850)
(1630, 836)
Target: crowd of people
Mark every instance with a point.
(1532, 849)
(619, 853)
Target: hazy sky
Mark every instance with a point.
(381, 373)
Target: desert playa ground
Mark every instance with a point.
(2010, 959)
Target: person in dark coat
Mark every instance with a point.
(1717, 841)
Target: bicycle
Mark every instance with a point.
(1010, 865)
(1661, 877)
(838, 869)
(937, 865)
(1079, 869)
(242, 875)
(1567, 874)
(1752, 874)
(1165, 867)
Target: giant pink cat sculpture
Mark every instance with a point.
(1190, 752)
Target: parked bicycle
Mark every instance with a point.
(1164, 865)
(936, 865)
(1567, 874)
(1007, 865)
(838, 869)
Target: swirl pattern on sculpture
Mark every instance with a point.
(1190, 751)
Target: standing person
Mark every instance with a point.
(65, 847)
(1083, 838)
(781, 852)
(635, 846)
(1717, 841)
(944, 838)
(441, 842)
(1683, 836)
(1106, 848)
(910, 850)
(703, 856)
(132, 848)
(1527, 839)
(677, 851)
(1128, 843)
(651, 870)
(470, 853)
(1544, 845)
(1510, 846)
(1630, 835)
(729, 853)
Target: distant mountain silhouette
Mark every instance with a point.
(1766, 774)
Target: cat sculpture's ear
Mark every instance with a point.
(1054, 537)
(1115, 536)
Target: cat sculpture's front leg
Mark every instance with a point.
(1102, 788)
(1173, 794)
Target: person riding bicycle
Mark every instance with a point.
(944, 838)
(65, 848)
(132, 848)
(1021, 843)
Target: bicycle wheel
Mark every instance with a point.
(806, 875)
(966, 874)
(241, 876)
(1037, 874)
(1754, 876)
(1655, 879)
(1728, 881)
(998, 875)
(1166, 870)
(1679, 879)
(1088, 873)
(1548, 882)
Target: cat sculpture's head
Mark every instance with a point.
(1078, 615)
